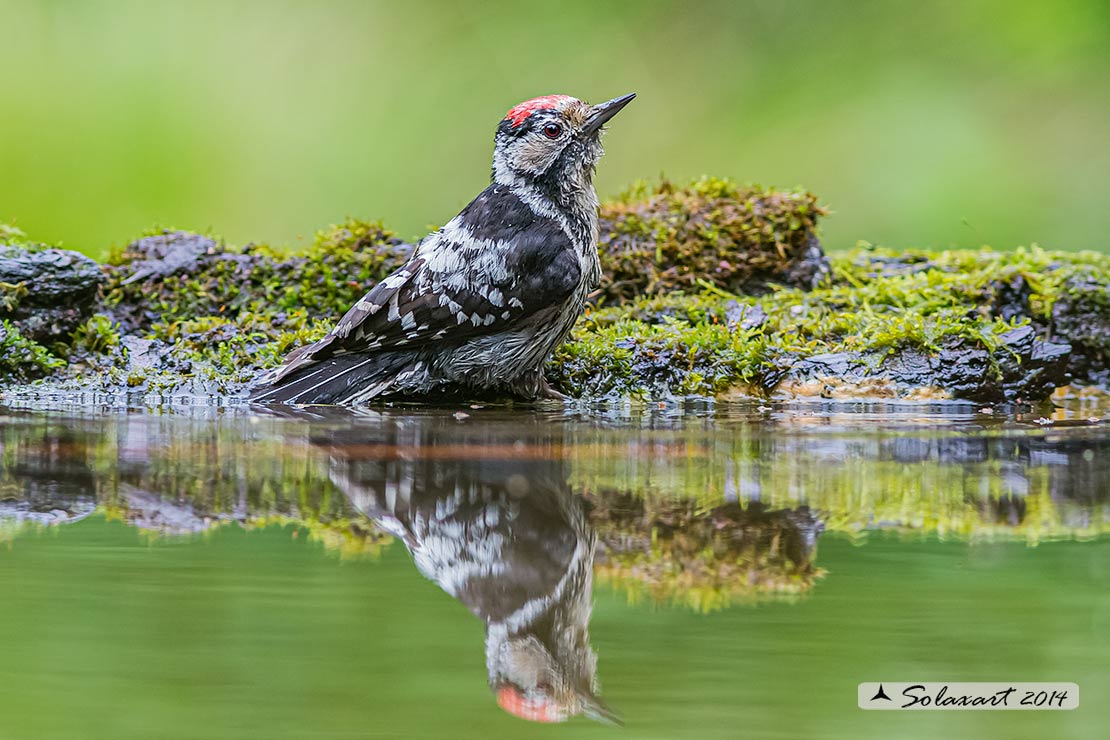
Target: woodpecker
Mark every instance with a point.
(501, 533)
(483, 301)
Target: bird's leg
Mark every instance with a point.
(547, 392)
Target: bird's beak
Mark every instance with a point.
(602, 112)
(596, 709)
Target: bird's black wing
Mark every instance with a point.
(452, 291)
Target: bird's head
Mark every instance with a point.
(552, 141)
(532, 683)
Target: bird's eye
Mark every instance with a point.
(552, 130)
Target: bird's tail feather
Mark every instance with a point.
(342, 379)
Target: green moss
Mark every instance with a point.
(692, 304)
(878, 303)
(11, 295)
(10, 234)
(324, 280)
(98, 335)
(22, 359)
(611, 355)
(231, 312)
(221, 347)
(968, 276)
(654, 240)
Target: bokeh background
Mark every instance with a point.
(925, 123)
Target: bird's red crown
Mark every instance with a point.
(519, 113)
(514, 702)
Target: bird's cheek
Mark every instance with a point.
(536, 156)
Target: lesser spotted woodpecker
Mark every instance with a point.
(484, 301)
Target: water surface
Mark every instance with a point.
(200, 573)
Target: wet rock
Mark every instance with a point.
(182, 311)
(50, 275)
(746, 316)
(1030, 368)
(653, 365)
(1024, 368)
(1010, 298)
(143, 353)
(874, 266)
(806, 270)
(1081, 313)
(47, 293)
(168, 253)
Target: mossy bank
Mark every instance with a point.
(710, 289)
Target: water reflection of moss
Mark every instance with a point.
(349, 538)
(976, 488)
(674, 551)
(180, 485)
(702, 518)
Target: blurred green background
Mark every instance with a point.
(927, 123)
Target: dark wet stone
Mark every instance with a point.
(1024, 369)
(1010, 299)
(806, 270)
(1082, 315)
(960, 368)
(882, 266)
(141, 353)
(50, 275)
(1039, 367)
(47, 293)
(830, 365)
(169, 253)
(745, 316)
(653, 365)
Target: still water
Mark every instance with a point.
(688, 573)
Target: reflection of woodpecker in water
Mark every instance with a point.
(507, 539)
